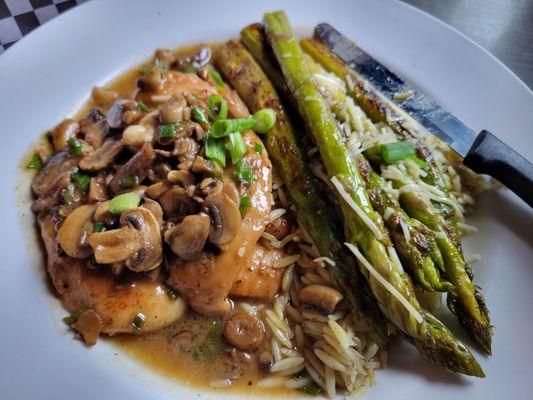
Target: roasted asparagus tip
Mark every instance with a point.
(440, 347)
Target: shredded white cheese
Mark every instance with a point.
(326, 260)
(408, 306)
(353, 205)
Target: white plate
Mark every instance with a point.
(48, 75)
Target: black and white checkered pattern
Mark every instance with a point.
(19, 17)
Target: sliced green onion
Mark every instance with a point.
(198, 115)
(189, 69)
(259, 148)
(145, 69)
(81, 179)
(242, 171)
(159, 64)
(127, 182)
(214, 149)
(264, 120)
(421, 163)
(311, 389)
(217, 107)
(224, 127)
(141, 106)
(99, 227)
(244, 204)
(217, 78)
(236, 147)
(124, 202)
(138, 322)
(167, 131)
(75, 146)
(35, 162)
(392, 152)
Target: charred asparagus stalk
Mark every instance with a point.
(465, 300)
(391, 286)
(243, 73)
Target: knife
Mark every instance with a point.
(483, 153)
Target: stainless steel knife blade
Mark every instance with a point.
(423, 109)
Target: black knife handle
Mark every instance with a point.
(489, 155)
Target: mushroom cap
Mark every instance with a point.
(176, 202)
(116, 111)
(137, 242)
(75, 230)
(244, 331)
(187, 239)
(321, 298)
(102, 157)
(225, 218)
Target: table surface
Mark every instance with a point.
(503, 27)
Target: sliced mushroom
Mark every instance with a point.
(103, 157)
(210, 186)
(177, 203)
(183, 178)
(152, 81)
(75, 230)
(155, 209)
(157, 189)
(196, 60)
(202, 166)
(137, 165)
(244, 331)
(55, 175)
(321, 298)
(115, 114)
(230, 189)
(174, 110)
(187, 239)
(137, 135)
(97, 190)
(185, 149)
(137, 242)
(67, 129)
(225, 218)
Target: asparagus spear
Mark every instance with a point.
(243, 73)
(466, 301)
(388, 282)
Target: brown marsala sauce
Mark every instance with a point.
(203, 362)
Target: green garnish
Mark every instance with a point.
(99, 227)
(189, 69)
(217, 78)
(264, 120)
(159, 64)
(214, 149)
(223, 127)
(73, 318)
(392, 152)
(217, 107)
(167, 130)
(75, 146)
(128, 182)
(259, 148)
(138, 322)
(68, 194)
(198, 115)
(145, 69)
(418, 161)
(242, 171)
(311, 389)
(35, 162)
(244, 204)
(236, 147)
(124, 202)
(143, 107)
(81, 179)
